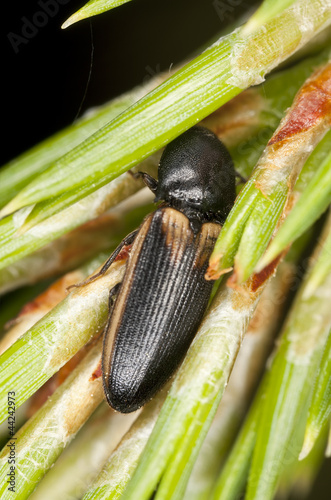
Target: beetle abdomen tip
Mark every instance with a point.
(124, 396)
(123, 405)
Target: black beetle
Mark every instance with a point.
(164, 294)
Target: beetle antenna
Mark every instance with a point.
(150, 182)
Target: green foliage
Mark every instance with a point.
(45, 194)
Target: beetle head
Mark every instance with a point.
(196, 172)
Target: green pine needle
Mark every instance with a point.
(92, 8)
(313, 202)
(202, 86)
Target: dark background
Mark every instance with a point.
(49, 79)
(45, 76)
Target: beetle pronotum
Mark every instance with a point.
(164, 294)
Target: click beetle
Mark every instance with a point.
(164, 293)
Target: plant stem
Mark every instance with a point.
(292, 374)
(41, 440)
(116, 473)
(82, 460)
(260, 205)
(242, 383)
(313, 202)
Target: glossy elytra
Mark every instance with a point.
(164, 294)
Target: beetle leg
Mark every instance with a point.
(150, 182)
(126, 241)
(111, 300)
(242, 179)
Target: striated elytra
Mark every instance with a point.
(164, 294)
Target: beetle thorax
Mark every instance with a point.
(196, 173)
